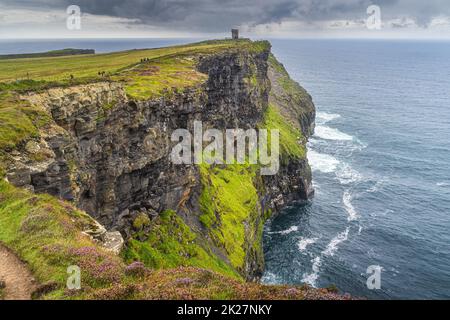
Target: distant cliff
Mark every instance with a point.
(53, 53)
(105, 146)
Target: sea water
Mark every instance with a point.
(380, 158)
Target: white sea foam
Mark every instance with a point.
(290, 230)
(328, 164)
(346, 174)
(442, 184)
(330, 250)
(351, 211)
(377, 186)
(333, 246)
(304, 242)
(328, 133)
(323, 117)
(287, 231)
(322, 162)
(360, 229)
(311, 278)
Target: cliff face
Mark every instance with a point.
(296, 109)
(109, 153)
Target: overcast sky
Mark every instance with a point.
(198, 18)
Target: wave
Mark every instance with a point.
(333, 246)
(323, 117)
(377, 186)
(328, 133)
(330, 250)
(327, 164)
(386, 212)
(304, 242)
(322, 162)
(360, 229)
(442, 184)
(346, 174)
(311, 278)
(287, 231)
(351, 211)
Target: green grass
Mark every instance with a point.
(161, 76)
(277, 65)
(229, 203)
(291, 139)
(19, 121)
(291, 88)
(59, 70)
(141, 221)
(289, 85)
(46, 234)
(171, 243)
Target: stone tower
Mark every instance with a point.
(235, 34)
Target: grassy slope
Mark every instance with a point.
(290, 87)
(171, 243)
(19, 121)
(292, 101)
(46, 234)
(171, 62)
(60, 68)
(290, 138)
(229, 203)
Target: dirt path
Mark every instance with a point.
(18, 279)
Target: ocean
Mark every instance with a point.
(380, 158)
(381, 167)
(10, 46)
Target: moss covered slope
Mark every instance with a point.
(46, 233)
(168, 242)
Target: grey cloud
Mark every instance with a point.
(219, 15)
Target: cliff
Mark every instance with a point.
(101, 140)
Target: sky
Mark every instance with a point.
(427, 19)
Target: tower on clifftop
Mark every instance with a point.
(235, 34)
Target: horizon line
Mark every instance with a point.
(254, 38)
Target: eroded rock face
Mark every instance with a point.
(294, 180)
(110, 155)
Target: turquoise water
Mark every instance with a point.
(380, 160)
(381, 169)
